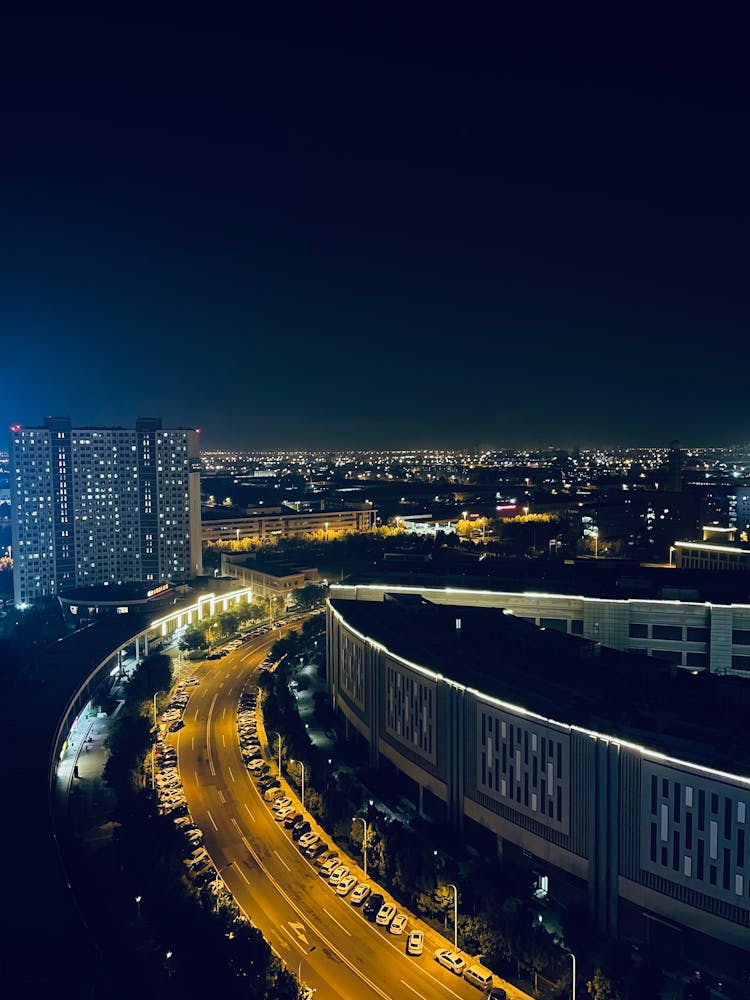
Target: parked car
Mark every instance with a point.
(346, 885)
(314, 850)
(372, 905)
(328, 866)
(297, 831)
(339, 872)
(360, 894)
(415, 943)
(450, 960)
(398, 924)
(292, 818)
(307, 840)
(386, 913)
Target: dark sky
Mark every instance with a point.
(355, 231)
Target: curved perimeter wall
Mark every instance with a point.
(660, 843)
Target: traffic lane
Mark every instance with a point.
(301, 894)
(311, 893)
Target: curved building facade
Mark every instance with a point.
(611, 770)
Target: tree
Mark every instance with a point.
(194, 637)
(601, 987)
(309, 596)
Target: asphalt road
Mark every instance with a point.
(279, 889)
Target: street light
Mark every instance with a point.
(303, 779)
(169, 964)
(364, 839)
(273, 732)
(595, 533)
(138, 904)
(573, 991)
(455, 915)
(299, 970)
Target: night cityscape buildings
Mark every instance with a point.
(458, 302)
(100, 505)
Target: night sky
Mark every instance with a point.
(361, 231)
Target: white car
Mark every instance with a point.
(328, 867)
(282, 803)
(360, 894)
(450, 960)
(415, 943)
(307, 840)
(337, 874)
(386, 913)
(281, 814)
(346, 885)
(398, 924)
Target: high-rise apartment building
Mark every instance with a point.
(96, 505)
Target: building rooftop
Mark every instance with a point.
(698, 718)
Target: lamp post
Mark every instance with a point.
(573, 991)
(364, 840)
(303, 779)
(299, 970)
(138, 905)
(272, 732)
(595, 533)
(455, 915)
(169, 964)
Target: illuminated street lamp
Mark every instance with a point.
(573, 990)
(595, 533)
(299, 970)
(455, 915)
(138, 904)
(169, 964)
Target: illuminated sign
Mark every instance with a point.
(158, 590)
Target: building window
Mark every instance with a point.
(697, 634)
(671, 632)
(638, 631)
(696, 659)
(741, 636)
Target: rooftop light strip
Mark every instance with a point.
(509, 706)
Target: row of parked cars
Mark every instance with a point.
(172, 715)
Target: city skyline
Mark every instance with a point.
(339, 233)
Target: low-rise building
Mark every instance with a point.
(268, 578)
(219, 525)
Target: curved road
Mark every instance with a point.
(278, 888)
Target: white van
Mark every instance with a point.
(479, 976)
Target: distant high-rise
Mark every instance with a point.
(674, 468)
(98, 505)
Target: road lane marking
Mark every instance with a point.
(336, 922)
(212, 820)
(247, 880)
(299, 931)
(197, 713)
(208, 736)
(230, 773)
(329, 943)
(237, 825)
(287, 868)
(195, 775)
(223, 741)
(412, 989)
(250, 811)
(223, 711)
(192, 743)
(221, 796)
(293, 940)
